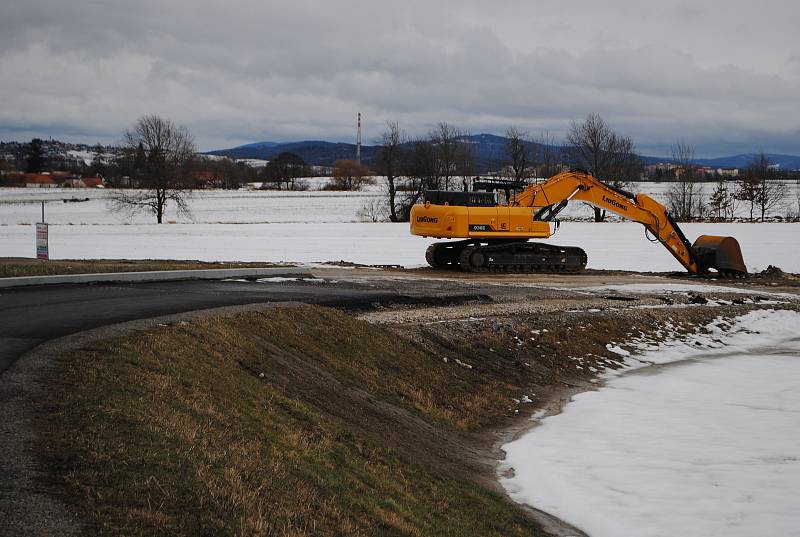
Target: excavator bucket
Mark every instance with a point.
(720, 253)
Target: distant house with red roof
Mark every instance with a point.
(93, 182)
(206, 179)
(39, 180)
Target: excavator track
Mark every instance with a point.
(506, 257)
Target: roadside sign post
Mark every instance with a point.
(42, 245)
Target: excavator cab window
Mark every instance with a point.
(464, 199)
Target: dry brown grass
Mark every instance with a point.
(196, 429)
(305, 421)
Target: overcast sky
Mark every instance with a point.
(722, 75)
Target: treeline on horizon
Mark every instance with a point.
(445, 159)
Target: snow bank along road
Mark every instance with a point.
(707, 446)
(615, 246)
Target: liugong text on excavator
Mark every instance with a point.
(496, 237)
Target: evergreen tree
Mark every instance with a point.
(35, 158)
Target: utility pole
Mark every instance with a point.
(358, 141)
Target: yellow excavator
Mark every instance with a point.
(496, 236)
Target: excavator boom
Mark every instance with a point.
(495, 230)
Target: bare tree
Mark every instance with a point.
(747, 192)
(465, 160)
(548, 156)
(423, 173)
(685, 196)
(390, 162)
(769, 191)
(373, 210)
(722, 202)
(608, 156)
(519, 153)
(350, 175)
(168, 150)
(447, 142)
(797, 195)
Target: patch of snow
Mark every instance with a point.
(617, 350)
(710, 446)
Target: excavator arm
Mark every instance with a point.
(546, 199)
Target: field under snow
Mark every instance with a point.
(317, 226)
(22, 206)
(708, 445)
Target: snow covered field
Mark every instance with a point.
(620, 246)
(705, 447)
(318, 226)
(22, 205)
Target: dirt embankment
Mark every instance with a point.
(311, 421)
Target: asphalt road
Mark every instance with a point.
(29, 316)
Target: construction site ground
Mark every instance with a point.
(440, 368)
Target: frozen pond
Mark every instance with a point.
(705, 447)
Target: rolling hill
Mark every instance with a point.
(489, 151)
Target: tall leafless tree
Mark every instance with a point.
(685, 196)
(721, 203)
(446, 140)
(548, 155)
(423, 172)
(519, 153)
(465, 160)
(769, 190)
(797, 195)
(390, 162)
(165, 175)
(608, 156)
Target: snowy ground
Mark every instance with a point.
(704, 447)
(319, 226)
(620, 246)
(22, 205)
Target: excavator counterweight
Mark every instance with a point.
(496, 237)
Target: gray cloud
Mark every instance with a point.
(723, 75)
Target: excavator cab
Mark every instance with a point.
(722, 254)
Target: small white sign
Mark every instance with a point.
(42, 246)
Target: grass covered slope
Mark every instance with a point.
(297, 421)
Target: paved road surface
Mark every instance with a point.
(29, 316)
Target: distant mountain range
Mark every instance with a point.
(489, 151)
(786, 162)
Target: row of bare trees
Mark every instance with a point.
(759, 190)
(610, 157)
(442, 160)
(161, 156)
(528, 157)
